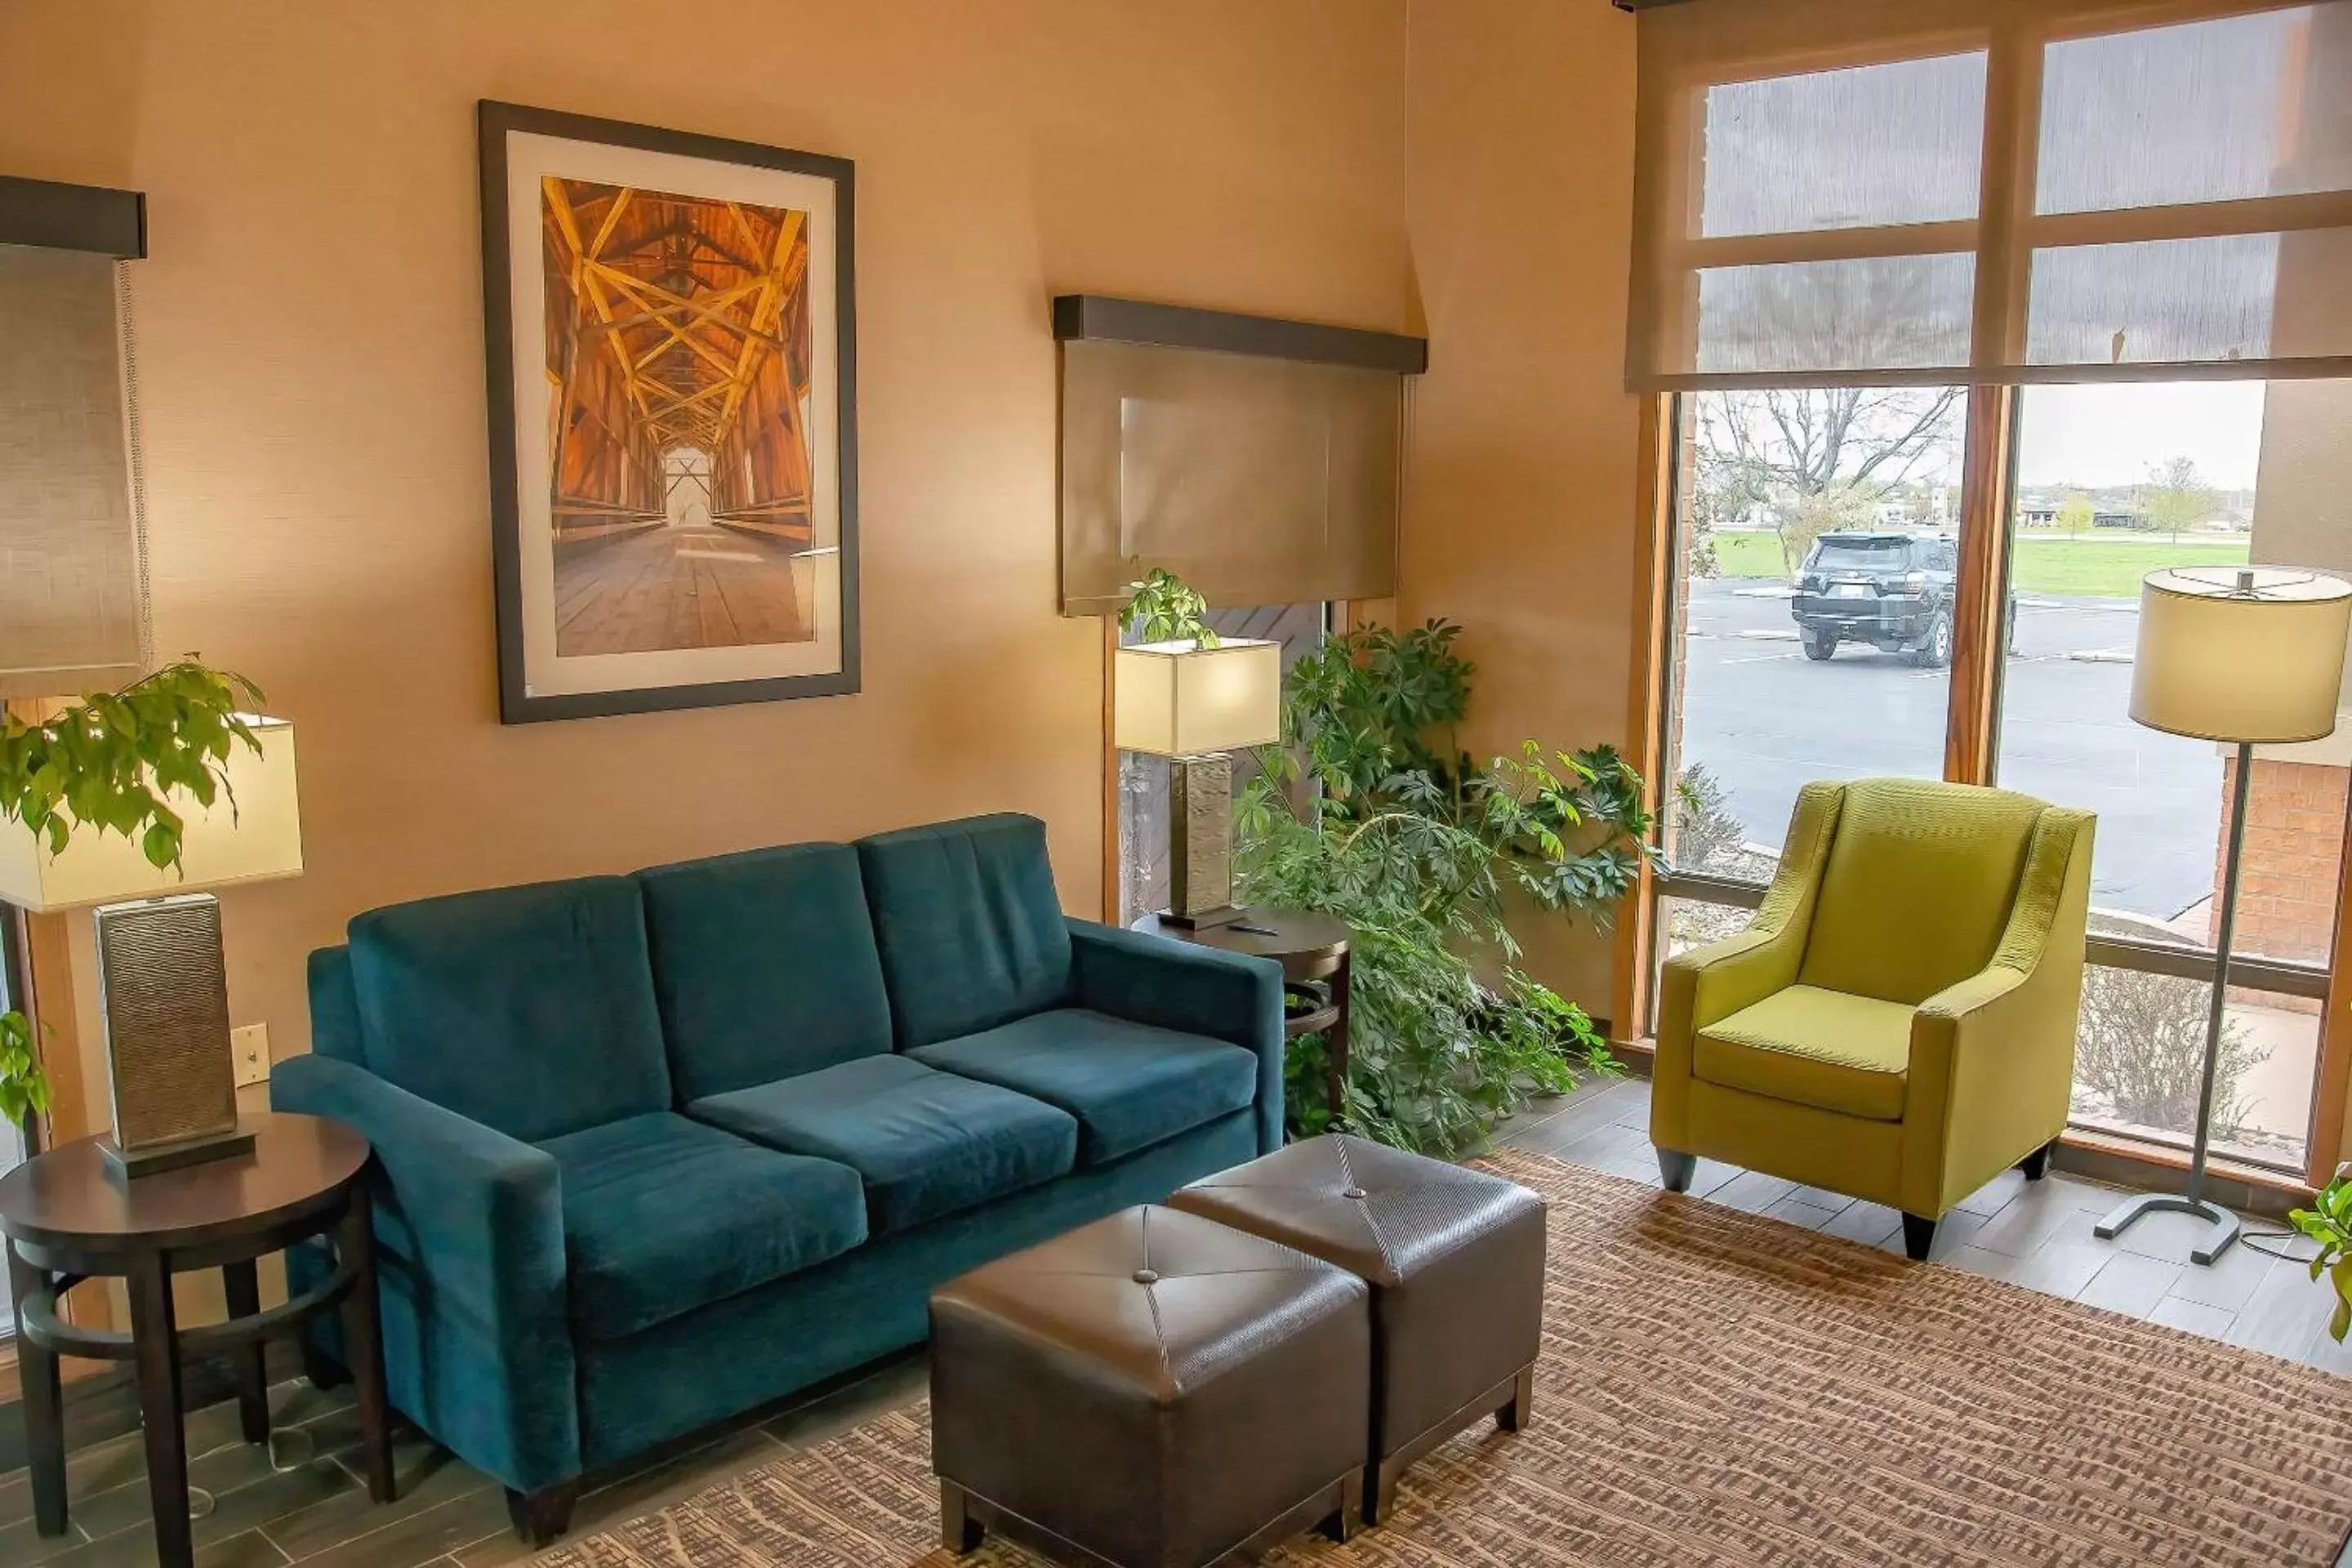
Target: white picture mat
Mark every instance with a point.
(531, 159)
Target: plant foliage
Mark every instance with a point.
(106, 763)
(2329, 1223)
(1163, 608)
(1372, 813)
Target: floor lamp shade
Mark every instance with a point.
(2240, 654)
(163, 987)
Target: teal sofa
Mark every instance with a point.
(655, 1151)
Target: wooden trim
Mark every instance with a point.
(2324, 1149)
(1098, 318)
(1655, 551)
(1112, 870)
(2192, 220)
(73, 217)
(2155, 1166)
(1979, 608)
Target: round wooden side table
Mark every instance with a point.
(66, 1218)
(1313, 951)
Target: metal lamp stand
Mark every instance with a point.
(2193, 1200)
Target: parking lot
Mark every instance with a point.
(1763, 719)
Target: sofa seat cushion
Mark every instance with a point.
(1130, 1085)
(925, 1142)
(1822, 1048)
(663, 1215)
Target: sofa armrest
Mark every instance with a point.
(1200, 990)
(470, 1222)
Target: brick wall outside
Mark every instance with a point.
(2294, 847)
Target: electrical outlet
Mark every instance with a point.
(250, 1048)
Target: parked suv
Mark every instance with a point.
(1891, 590)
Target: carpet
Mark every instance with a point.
(1720, 1388)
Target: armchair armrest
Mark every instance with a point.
(1992, 1056)
(477, 1345)
(1200, 990)
(1708, 984)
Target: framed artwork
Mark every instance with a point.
(673, 417)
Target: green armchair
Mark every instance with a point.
(1897, 1022)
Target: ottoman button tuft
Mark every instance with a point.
(1145, 1276)
(1353, 1193)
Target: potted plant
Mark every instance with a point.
(2329, 1223)
(105, 764)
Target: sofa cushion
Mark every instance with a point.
(1130, 1085)
(925, 1142)
(1811, 1046)
(971, 931)
(764, 965)
(528, 1009)
(663, 1215)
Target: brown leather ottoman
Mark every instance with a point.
(1456, 1260)
(1150, 1390)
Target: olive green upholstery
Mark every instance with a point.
(1897, 1022)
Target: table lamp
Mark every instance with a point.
(162, 988)
(2247, 656)
(1194, 703)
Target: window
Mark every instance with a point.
(2129, 241)
(1813, 600)
(1143, 780)
(2113, 483)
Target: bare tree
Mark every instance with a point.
(1814, 458)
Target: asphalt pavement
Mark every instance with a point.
(1764, 720)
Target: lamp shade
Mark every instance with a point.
(1180, 699)
(2244, 655)
(257, 838)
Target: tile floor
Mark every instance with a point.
(312, 1508)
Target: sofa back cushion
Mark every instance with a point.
(528, 1009)
(764, 966)
(1921, 879)
(971, 932)
(334, 1007)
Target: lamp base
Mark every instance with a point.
(129, 1164)
(1201, 839)
(2217, 1240)
(163, 997)
(1202, 919)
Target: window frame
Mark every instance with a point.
(1972, 743)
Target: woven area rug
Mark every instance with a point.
(1721, 1388)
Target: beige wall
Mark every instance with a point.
(311, 357)
(1519, 509)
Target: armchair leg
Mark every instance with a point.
(1918, 1237)
(2036, 1165)
(1675, 1169)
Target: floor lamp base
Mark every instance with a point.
(2217, 1240)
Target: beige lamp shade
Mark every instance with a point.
(2243, 655)
(260, 838)
(1179, 700)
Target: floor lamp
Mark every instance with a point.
(2247, 656)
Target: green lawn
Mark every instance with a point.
(2085, 568)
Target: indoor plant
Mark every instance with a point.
(2329, 1223)
(1414, 845)
(105, 764)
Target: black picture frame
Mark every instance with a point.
(518, 704)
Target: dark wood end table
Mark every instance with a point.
(65, 1217)
(1313, 951)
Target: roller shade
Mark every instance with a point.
(72, 612)
(1921, 191)
(1258, 459)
